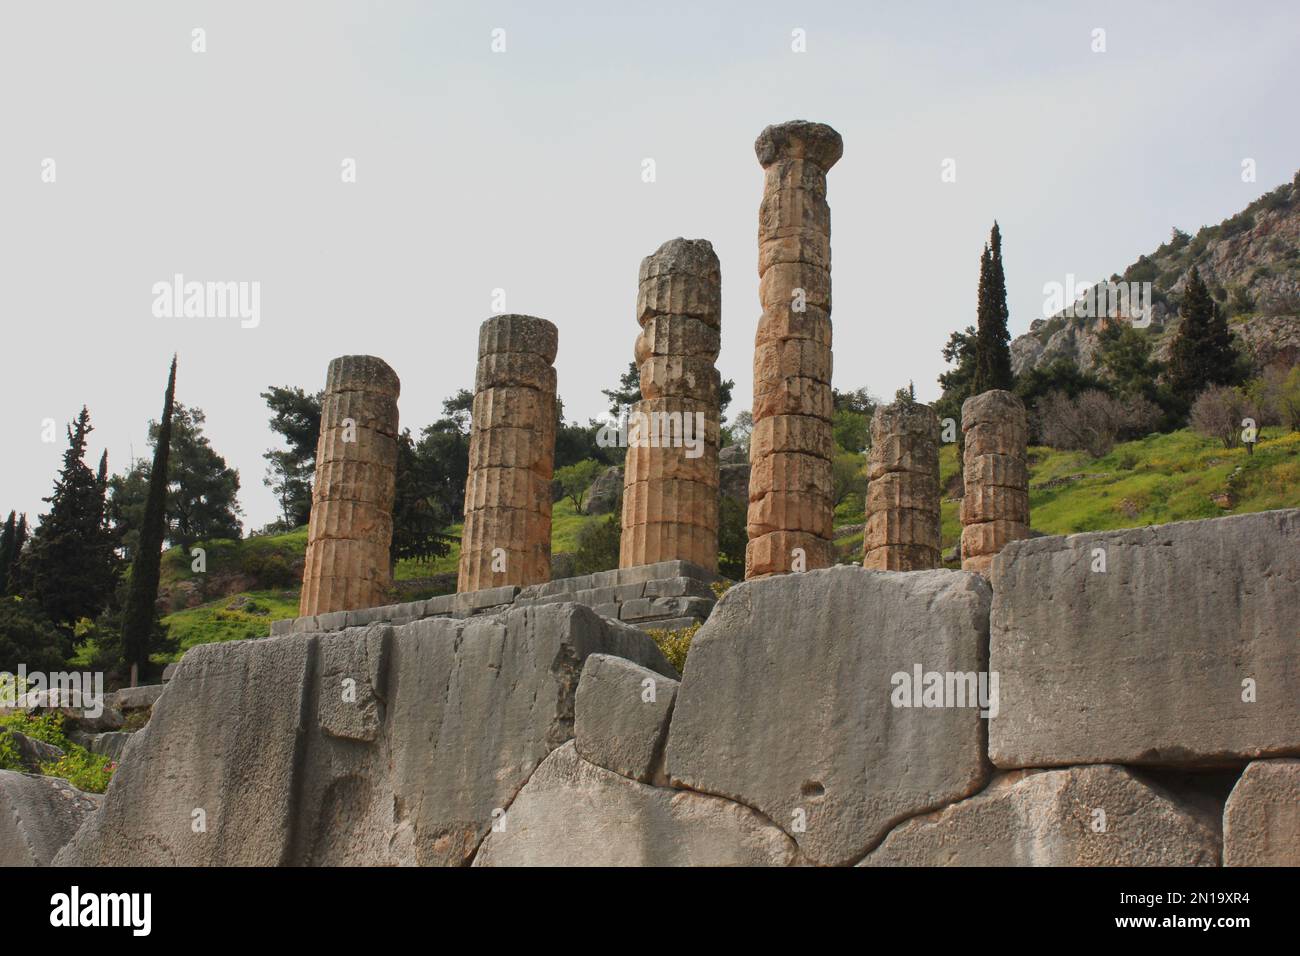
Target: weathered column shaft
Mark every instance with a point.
(351, 527)
(902, 532)
(791, 511)
(995, 475)
(670, 475)
(507, 533)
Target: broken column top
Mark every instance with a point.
(361, 373)
(995, 406)
(904, 418)
(684, 257)
(518, 333)
(799, 139)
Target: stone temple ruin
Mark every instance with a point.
(1025, 710)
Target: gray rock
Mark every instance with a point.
(38, 815)
(605, 492)
(1081, 816)
(572, 813)
(1148, 661)
(1261, 821)
(384, 745)
(111, 745)
(733, 482)
(169, 671)
(733, 455)
(786, 705)
(622, 716)
(136, 698)
(33, 753)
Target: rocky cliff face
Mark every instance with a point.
(1251, 263)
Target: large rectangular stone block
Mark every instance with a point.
(1183, 651)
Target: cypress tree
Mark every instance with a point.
(1201, 353)
(9, 585)
(141, 629)
(992, 340)
(7, 539)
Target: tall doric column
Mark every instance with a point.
(790, 503)
(351, 527)
(670, 476)
(902, 532)
(995, 502)
(507, 533)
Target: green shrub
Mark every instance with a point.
(675, 644)
(81, 768)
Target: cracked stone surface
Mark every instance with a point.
(1081, 816)
(785, 704)
(387, 745)
(573, 813)
(38, 816)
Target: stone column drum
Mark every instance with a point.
(902, 531)
(670, 491)
(790, 503)
(995, 502)
(507, 533)
(351, 526)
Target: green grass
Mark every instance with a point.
(1153, 480)
(217, 621)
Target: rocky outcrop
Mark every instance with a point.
(1261, 822)
(1082, 816)
(605, 492)
(1172, 645)
(573, 813)
(788, 702)
(380, 745)
(38, 816)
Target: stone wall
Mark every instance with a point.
(1057, 711)
(667, 595)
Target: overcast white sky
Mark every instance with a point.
(522, 170)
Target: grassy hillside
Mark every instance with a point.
(1161, 478)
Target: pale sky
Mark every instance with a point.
(522, 170)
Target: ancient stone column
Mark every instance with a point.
(995, 503)
(507, 533)
(670, 476)
(790, 505)
(902, 531)
(351, 526)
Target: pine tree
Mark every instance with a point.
(141, 629)
(70, 569)
(1202, 353)
(992, 340)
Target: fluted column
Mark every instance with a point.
(791, 510)
(902, 532)
(995, 474)
(351, 526)
(507, 533)
(670, 476)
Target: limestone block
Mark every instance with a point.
(786, 703)
(38, 816)
(1051, 818)
(621, 716)
(1261, 821)
(573, 813)
(1182, 653)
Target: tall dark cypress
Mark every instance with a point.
(7, 540)
(140, 624)
(992, 340)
